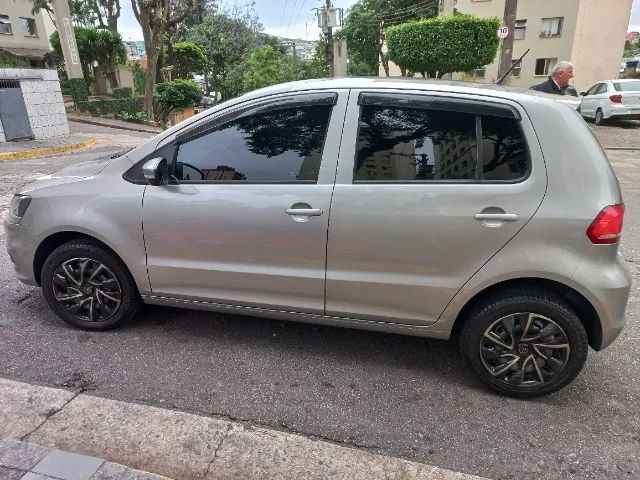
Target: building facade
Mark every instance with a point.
(24, 35)
(588, 33)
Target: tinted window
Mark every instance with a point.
(627, 86)
(602, 88)
(282, 145)
(593, 89)
(397, 143)
(504, 150)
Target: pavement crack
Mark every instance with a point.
(50, 414)
(26, 297)
(215, 453)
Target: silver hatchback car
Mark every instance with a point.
(423, 208)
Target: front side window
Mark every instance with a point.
(602, 88)
(551, 27)
(29, 27)
(592, 90)
(406, 144)
(282, 145)
(544, 66)
(5, 25)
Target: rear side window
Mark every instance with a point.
(415, 144)
(401, 144)
(627, 86)
(281, 145)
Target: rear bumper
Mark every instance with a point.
(625, 113)
(20, 251)
(609, 284)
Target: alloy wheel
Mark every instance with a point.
(87, 289)
(524, 349)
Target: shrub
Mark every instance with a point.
(112, 106)
(444, 44)
(122, 92)
(79, 90)
(139, 78)
(176, 95)
(136, 117)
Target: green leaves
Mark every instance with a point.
(444, 44)
(177, 94)
(189, 58)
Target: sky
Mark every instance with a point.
(289, 18)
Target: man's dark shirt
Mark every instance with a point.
(548, 87)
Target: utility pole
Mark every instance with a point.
(329, 39)
(67, 39)
(506, 53)
(328, 18)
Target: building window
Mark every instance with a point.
(5, 25)
(520, 30)
(544, 66)
(29, 27)
(478, 72)
(551, 27)
(516, 70)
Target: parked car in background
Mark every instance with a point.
(571, 98)
(428, 208)
(612, 99)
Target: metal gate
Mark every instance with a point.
(13, 113)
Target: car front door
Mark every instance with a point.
(244, 220)
(588, 104)
(414, 218)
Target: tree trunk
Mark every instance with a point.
(403, 71)
(153, 45)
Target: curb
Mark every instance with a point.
(110, 125)
(622, 148)
(39, 152)
(182, 445)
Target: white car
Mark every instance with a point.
(612, 99)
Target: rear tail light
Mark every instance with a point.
(607, 226)
(616, 98)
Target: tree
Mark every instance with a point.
(366, 23)
(109, 52)
(87, 13)
(86, 42)
(444, 44)
(226, 41)
(188, 58)
(176, 95)
(631, 49)
(265, 67)
(156, 17)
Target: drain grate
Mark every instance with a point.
(9, 84)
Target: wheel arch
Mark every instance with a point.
(583, 308)
(53, 241)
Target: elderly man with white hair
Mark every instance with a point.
(559, 79)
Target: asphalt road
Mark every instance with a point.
(401, 396)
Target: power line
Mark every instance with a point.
(283, 12)
(293, 12)
(395, 19)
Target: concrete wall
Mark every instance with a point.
(592, 37)
(599, 41)
(43, 100)
(22, 8)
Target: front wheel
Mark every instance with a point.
(524, 343)
(89, 287)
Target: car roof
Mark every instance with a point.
(400, 83)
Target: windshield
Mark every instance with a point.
(627, 86)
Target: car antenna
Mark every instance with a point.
(517, 62)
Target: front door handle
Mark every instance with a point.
(304, 212)
(496, 217)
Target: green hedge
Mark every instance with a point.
(79, 90)
(112, 106)
(122, 92)
(444, 44)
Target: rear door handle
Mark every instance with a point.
(304, 212)
(496, 217)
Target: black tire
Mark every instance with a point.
(599, 117)
(479, 334)
(116, 299)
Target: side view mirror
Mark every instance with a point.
(583, 94)
(156, 171)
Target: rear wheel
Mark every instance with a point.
(524, 343)
(599, 118)
(88, 286)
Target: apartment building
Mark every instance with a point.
(589, 33)
(22, 34)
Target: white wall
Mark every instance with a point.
(43, 100)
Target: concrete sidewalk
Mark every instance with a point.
(113, 123)
(177, 444)
(50, 146)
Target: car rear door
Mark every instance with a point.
(412, 217)
(245, 220)
(588, 104)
